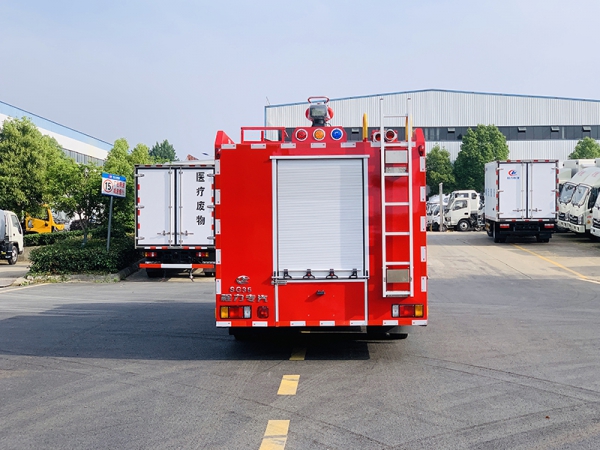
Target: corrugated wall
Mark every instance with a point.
(449, 108)
(436, 108)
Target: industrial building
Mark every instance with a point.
(77, 145)
(535, 127)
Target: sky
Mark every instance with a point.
(181, 70)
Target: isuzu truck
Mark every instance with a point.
(521, 199)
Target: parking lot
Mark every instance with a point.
(509, 360)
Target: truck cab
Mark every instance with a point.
(48, 222)
(462, 210)
(568, 179)
(595, 227)
(11, 237)
(582, 202)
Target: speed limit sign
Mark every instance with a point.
(113, 185)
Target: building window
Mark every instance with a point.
(586, 131)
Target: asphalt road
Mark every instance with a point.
(509, 360)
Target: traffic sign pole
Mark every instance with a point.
(109, 224)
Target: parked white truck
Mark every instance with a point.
(570, 168)
(595, 228)
(579, 210)
(11, 237)
(463, 210)
(572, 173)
(175, 217)
(521, 199)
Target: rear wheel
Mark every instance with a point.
(241, 333)
(463, 225)
(14, 256)
(153, 273)
(498, 239)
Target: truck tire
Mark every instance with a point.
(153, 273)
(242, 333)
(498, 239)
(463, 225)
(15, 255)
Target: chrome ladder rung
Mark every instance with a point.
(396, 204)
(397, 293)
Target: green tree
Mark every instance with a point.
(76, 191)
(586, 148)
(121, 161)
(479, 146)
(26, 158)
(163, 152)
(439, 170)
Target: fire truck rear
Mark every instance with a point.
(317, 231)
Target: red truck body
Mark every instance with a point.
(315, 231)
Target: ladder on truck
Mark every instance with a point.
(396, 161)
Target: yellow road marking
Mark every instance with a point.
(298, 354)
(577, 274)
(275, 435)
(289, 385)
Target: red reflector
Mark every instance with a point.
(262, 312)
(407, 310)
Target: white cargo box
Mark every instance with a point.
(521, 190)
(174, 205)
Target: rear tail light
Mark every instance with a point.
(504, 225)
(202, 254)
(407, 310)
(262, 312)
(150, 254)
(236, 312)
(548, 225)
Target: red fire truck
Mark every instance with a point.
(317, 231)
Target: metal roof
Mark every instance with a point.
(49, 125)
(442, 90)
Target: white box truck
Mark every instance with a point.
(521, 199)
(175, 217)
(567, 190)
(11, 237)
(462, 211)
(579, 209)
(595, 228)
